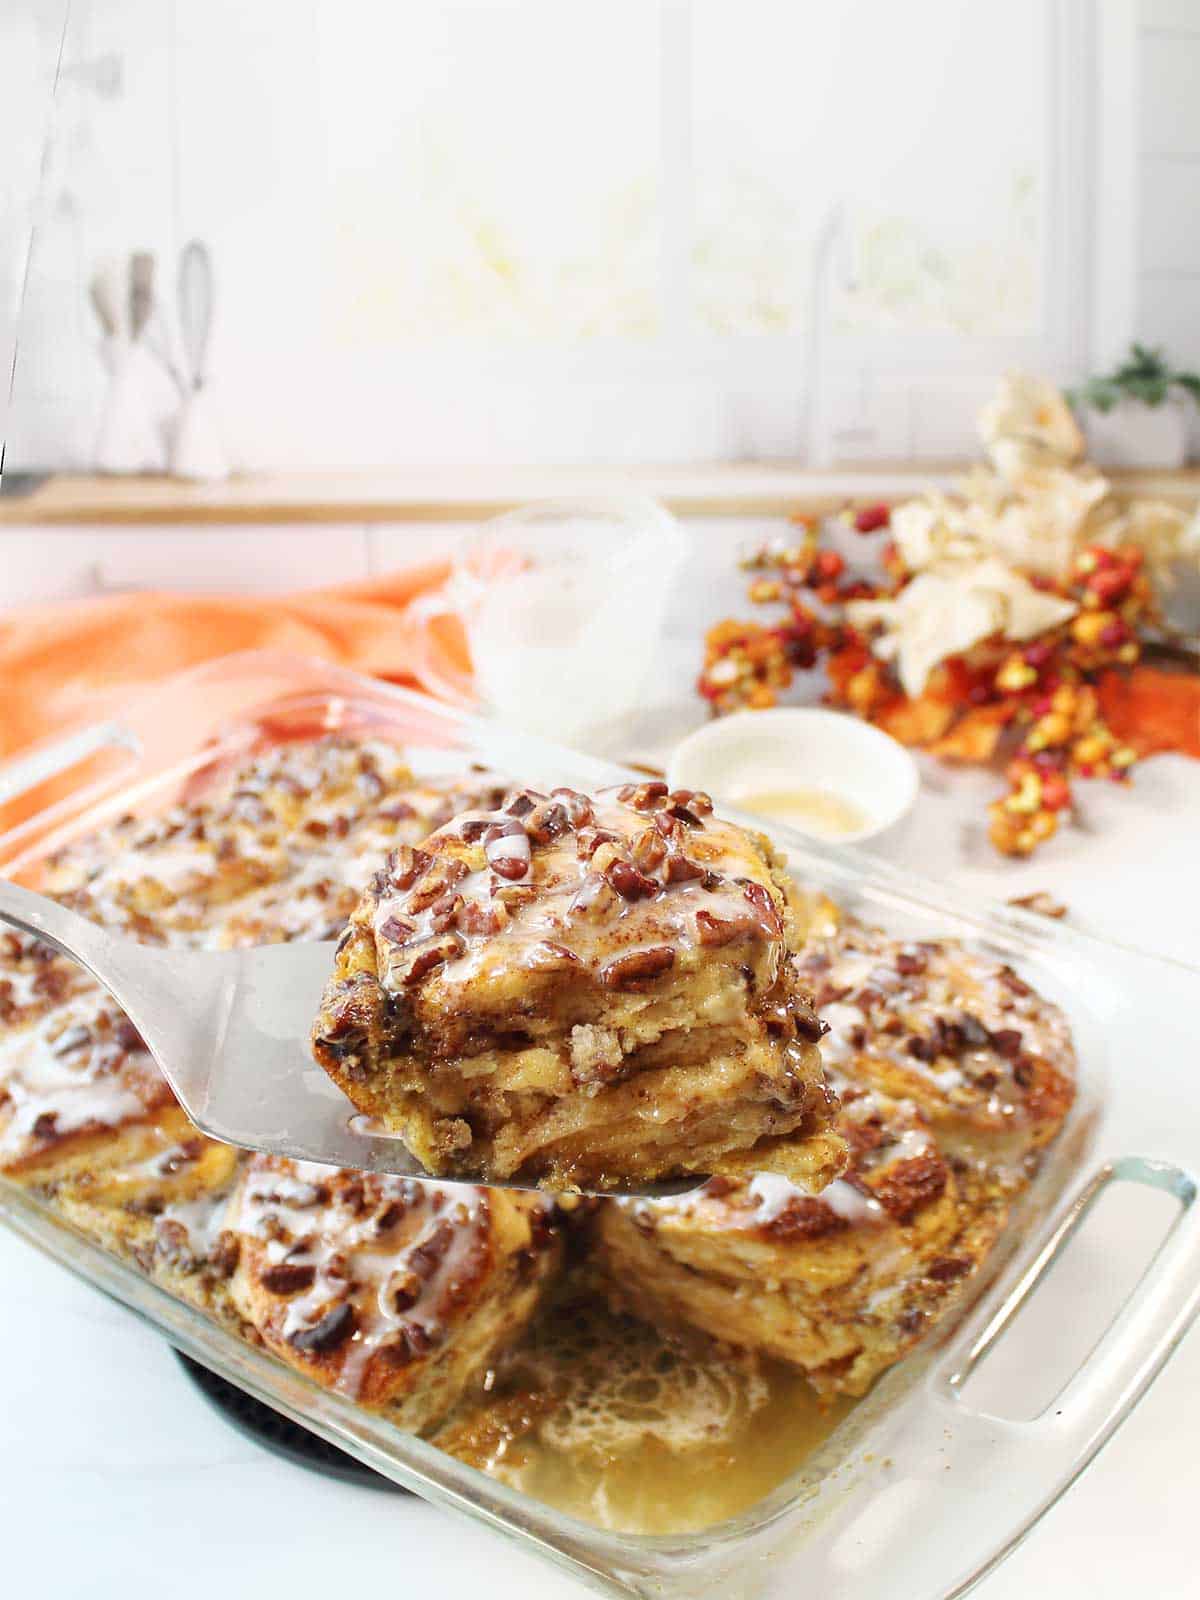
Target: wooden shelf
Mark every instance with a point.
(446, 494)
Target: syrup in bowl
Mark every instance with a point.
(821, 812)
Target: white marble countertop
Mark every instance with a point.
(116, 1479)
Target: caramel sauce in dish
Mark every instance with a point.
(820, 812)
(599, 1416)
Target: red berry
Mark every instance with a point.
(1115, 634)
(1038, 653)
(1109, 583)
(871, 518)
(1055, 793)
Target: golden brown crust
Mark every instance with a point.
(279, 849)
(158, 1197)
(579, 990)
(393, 1292)
(832, 1284)
(73, 1070)
(842, 1284)
(984, 1055)
(846, 1283)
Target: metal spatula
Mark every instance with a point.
(229, 1030)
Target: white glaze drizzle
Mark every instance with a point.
(332, 1239)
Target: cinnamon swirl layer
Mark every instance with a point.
(844, 1284)
(392, 1292)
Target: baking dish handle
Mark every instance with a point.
(1140, 1338)
(975, 1484)
(52, 759)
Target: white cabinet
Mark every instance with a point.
(45, 563)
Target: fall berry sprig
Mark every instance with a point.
(1035, 700)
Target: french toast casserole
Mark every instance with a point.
(578, 989)
(944, 1076)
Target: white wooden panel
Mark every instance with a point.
(1170, 316)
(1170, 102)
(42, 564)
(945, 419)
(409, 544)
(1170, 215)
(237, 560)
(1181, 16)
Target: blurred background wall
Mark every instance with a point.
(566, 230)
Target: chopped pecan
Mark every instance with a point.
(398, 811)
(426, 1257)
(476, 918)
(403, 1291)
(695, 799)
(643, 796)
(807, 1023)
(72, 1039)
(680, 869)
(804, 1217)
(1025, 1071)
(397, 930)
(288, 1277)
(768, 912)
(1013, 984)
(224, 1254)
(410, 1343)
(547, 822)
(907, 1186)
(436, 881)
(547, 956)
(629, 883)
(595, 898)
(714, 931)
(506, 846)
(326, 1334)
(443, 913)
(669, 826)
(510, 867)
(948, 1269)
(578, 806)
(648, 850)
(589, 840)
(1007, 1042)
(406, 865)
(420, 959)
(472, 829)
(637, 966)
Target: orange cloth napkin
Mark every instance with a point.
(68, 664)
(1153, 710)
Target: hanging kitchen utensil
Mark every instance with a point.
(197, 451)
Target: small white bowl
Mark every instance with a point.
(801, 749)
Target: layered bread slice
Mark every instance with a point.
(583, 992)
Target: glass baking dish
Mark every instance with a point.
(915, 1493)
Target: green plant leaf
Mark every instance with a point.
(1100, 393)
